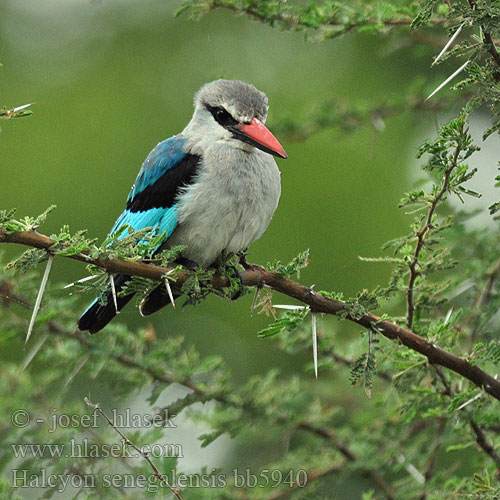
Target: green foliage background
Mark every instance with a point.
(107, 94)
(110, 80)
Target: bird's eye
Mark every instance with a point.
(220, 113)
(221, 116)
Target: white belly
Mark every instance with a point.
(229, 206)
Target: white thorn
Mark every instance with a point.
(32, 353)
(291, 308)
(471, 400)
(85, 257)
(77, 368)
(412, 470)
(315, 343)
(87, 278)
(38, 301)
(378, 123)
(417, 475)
(113, 292)
(448, 316)
(450, 41)
(449, 79)
(24, 106)
(169, 291)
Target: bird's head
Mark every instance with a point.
(233, 111)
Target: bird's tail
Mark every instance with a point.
(157, 299)
(97, 316)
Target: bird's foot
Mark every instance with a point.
(237, 288)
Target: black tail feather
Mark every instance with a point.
(157, 299)
(97, 316)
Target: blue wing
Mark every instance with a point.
(152, 201)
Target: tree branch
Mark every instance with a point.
(291, 19)
(317, 302)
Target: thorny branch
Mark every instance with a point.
(199, 394)
(292, 21)
(256, 275)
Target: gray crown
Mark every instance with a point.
(242, 100)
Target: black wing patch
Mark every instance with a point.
(163, 193)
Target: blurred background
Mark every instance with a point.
(112, 78)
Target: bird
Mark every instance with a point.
(213, 189)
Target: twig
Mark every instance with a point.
(483, 442)
(6, 291)
(421, 239)
(257, 276)
(157, 473)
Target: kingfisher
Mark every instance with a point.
(213, 188)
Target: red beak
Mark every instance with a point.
(261, 135)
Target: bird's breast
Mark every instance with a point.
(229, 205)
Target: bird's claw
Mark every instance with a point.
(236, 295)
